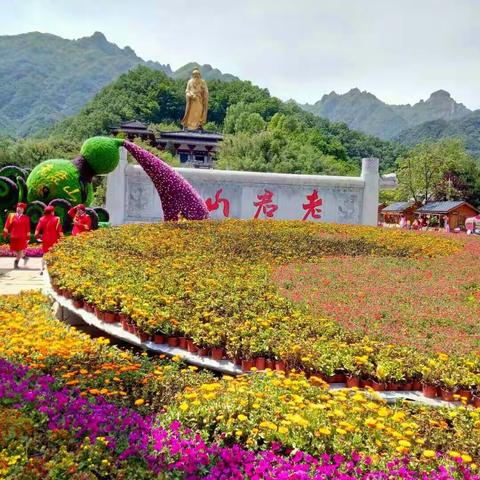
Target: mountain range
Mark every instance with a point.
(44, 78)
(363, 111)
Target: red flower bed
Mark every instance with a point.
(431, 304)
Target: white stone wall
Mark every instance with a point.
(131, 196)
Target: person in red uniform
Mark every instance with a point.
(81, 220)
(18, 227)
(49, 230)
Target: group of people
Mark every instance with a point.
(48, 230)
(421, 223)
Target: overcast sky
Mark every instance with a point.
(399, 50)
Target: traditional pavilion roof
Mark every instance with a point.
(443, 207)
(188, 135)
(134, 125)
(398, 207)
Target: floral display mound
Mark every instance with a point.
(76, 407)
(236, 289)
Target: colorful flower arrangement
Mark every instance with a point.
(31, 251)
(53, 432)
(82, 407)
(237, 289)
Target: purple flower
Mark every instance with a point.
(176, 194)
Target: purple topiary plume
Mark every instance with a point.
(178, 197)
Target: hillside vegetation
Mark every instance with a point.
(262, 132)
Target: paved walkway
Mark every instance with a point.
(25, 278)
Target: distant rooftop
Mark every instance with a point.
(134, 124)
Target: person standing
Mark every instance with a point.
(18, 227)
(446, 223)
(49, 230)
(81, 220)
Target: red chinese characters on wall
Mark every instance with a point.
(265, 204)
(312, 207)
(214, 204)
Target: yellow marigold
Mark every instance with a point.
(466, 458)
(183, 407)
(404, 443)
(370, 422)
(428, 453)
(242, 417)
(139, 401)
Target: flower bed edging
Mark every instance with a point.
(116, 330)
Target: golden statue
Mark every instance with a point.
(197, 103)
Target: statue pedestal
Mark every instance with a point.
(194, 148)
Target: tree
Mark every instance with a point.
(439, 171)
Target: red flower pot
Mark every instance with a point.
(98, 313)
(172, 341)
(124, 324)
(377, 386)
(406, 387)
(466, 394)
(143, 336)
(393, 386)
(182, 342)
(353, 382)
(78, 303)
(269, 363)
(67, 293)
(365, 382)
(280, 365)
(237, 361)
(260, 363)
(159, 339)
(446, 395)
(122, 317)
(416, 386)
(335, 378)
(109, 317)
(247, 365)
(476, 401)
(191, 347)
(217, 353)
(202, 352)
(429, 391)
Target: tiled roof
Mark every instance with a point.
(440, 207)
(134, 124)
(398, 207)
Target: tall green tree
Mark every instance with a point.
(439, 171)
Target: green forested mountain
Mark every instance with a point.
(262, 132)
(364, 112)
(207, 71)
(466, 128)
(44, 78)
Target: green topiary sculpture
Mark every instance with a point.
(72, 180)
